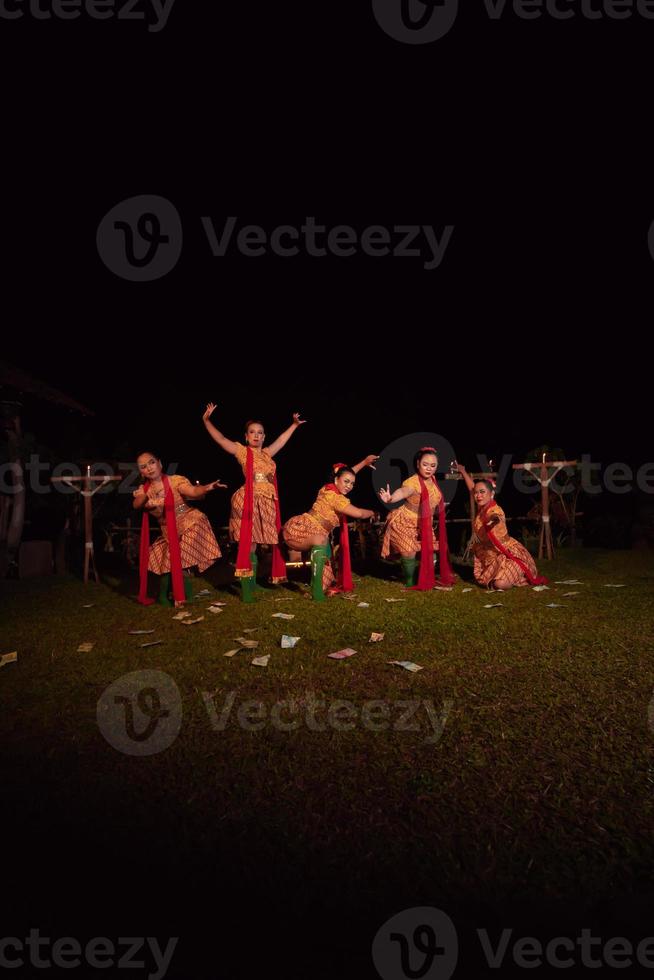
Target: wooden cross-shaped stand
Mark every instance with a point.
(84, 486)
(545, 542)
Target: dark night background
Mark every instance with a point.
(531, 138)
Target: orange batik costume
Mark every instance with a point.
(325, 515)
(197, 543)
(409, 529)
(499, 556)
(255, 516)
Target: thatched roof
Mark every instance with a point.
(13, 378)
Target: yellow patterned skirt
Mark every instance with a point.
(264, 518)
(490, 564)
(301, 527)
(197, 544)
(402, 533)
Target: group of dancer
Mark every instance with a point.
(188, 541)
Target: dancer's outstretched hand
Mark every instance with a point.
(215, 486)
(297, 420)
(369, 460)
(210, 409)
(386, 494)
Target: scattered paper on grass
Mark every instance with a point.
(203, 592)
(342, 654)
(253, 629)
(8, 658)
(376, 637)
(363, 605)
(394, 600)
(283, 616)
(493, 605)
(351, 597)
(247, 644)
(466, 590)
(566, 595)
(284, 599)
(214, 609)
(231, 653)
(568, 581)
(288, 642)
(261, 661)
(139, 632)
(554, 605)
(443, 588)
(610, 585)
(85, 647)
(183, 614)
(540, 588)
(407, 664)
(152, 643)
(89, 605)
(190, 622)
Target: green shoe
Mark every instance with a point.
(318, 559)
(409, 570)
(246, 589)
(254, 561)
(164, 588)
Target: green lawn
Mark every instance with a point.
(539, 788)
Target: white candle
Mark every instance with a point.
(88, 470)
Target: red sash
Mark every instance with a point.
(243, 563)
(532, 579)
(426, 578)
(173, 547)
(344, 578)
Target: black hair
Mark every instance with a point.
(427, 451)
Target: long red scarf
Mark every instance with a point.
(532, 579)
(426, 579)
(243, 563)
(173, 547)
(344, 578)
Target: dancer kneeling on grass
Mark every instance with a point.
(409, 528)
(255, 515)
(501, 562)
(186, 539)
(312, 530)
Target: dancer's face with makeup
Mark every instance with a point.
(345, 482)
(427, 466)
(482, 494)
(149, 466)
(255, 435)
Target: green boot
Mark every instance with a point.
(188, 587)
(409, 568)
(318, 559)
(246, 589)
(254, 561)
(164, 588)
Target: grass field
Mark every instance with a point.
(524, 788)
